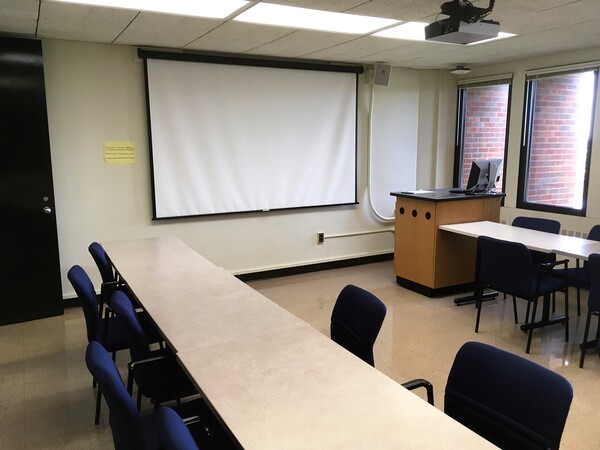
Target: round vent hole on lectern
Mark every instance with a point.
(414, 213)
(428, 215)
(402, 210)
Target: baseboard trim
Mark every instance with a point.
(72, 302)
(316, 267)
(434, 292)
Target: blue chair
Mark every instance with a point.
(579, 276)
(508, 400)
(106, 330)
(356, 320)
(593, 268)
(130, 430)
(110, 281)
(509, 267)
(539, 224)
(355, 323)
(157, 374)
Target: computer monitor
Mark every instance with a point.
(483, 175)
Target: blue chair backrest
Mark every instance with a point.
(594, 293)
(101, 260)
(87, 297)
(173, 433)
(594, 233)
(356, 320)
(507, 399)
(505, 265)
(138, 343)
(124, 418)
(537, 223)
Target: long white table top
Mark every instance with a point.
(570, 246)
(276, 382)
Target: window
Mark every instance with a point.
(556, 142)
(482, 125)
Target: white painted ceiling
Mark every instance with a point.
(542, 27)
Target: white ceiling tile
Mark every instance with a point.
(18, 16)
(302, 43)
(83, 23)
(235, 37)
(163, 30)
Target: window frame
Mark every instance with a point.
(526, 137)
(462, 88)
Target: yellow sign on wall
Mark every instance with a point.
(119, 152)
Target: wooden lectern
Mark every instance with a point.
(431, 261)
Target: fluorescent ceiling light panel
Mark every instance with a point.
(213, 9)
(312, 19)
(411, 31)
(501, 35)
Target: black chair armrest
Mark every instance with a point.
(418, 383)
(546, 267)
(133, 364)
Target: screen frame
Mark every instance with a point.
(269, 63)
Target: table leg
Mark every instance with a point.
(473, 298)
(545, 319)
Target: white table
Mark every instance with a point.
(569, 246)
(276, 382)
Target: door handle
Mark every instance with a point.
(46, 210)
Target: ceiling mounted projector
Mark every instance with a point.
(464, 25)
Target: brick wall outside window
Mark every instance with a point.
(558, 148)
(485, 126)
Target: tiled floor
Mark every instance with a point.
(47, 400)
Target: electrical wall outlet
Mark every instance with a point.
(320, 238)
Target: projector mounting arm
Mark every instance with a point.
(465, 11)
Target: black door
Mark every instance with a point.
(30, 286)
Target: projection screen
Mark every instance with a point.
(229, 138)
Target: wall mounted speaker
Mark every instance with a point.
(382, 74)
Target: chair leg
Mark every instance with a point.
(578, 302)
(130, 380)
(566, 314)
(478, 304)
(535, 301)
(139, 400)
(585, 338)
(527, 311)
(515, 309)
(98, 404)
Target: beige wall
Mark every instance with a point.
(95, 93)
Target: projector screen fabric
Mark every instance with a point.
(229, 138)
